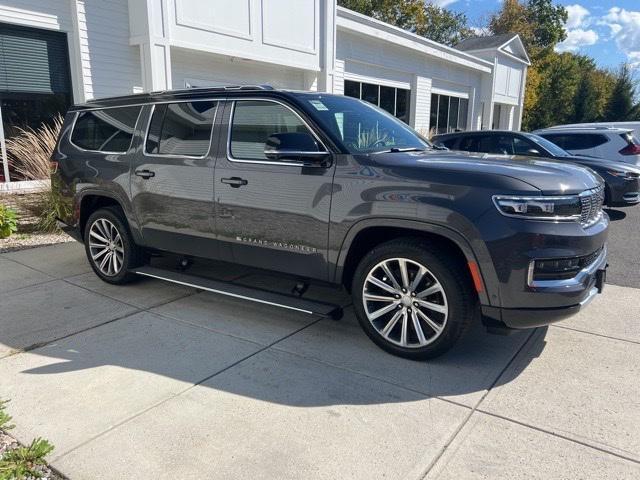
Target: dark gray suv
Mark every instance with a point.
(329, 188)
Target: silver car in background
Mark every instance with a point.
(613, 143)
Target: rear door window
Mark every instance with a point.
(469, 144)
(577, 141)
(496, 144)
(449, 143)
(105, 130)
(182, 128)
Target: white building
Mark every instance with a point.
(57, 52)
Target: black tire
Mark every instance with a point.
(132, 255)
(457, 295)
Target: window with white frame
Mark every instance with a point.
(394, 100)
(448, 114)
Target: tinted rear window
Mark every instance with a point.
(107, 130)
(448, 142)
(181, 128)
(576, 141)
(469, 144)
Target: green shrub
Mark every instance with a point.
(25, 462)
(5, 418)
(51, 204)
(22, 462)
(8, 221)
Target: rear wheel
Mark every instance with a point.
(110, 247)
(412, 300)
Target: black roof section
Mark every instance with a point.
(480, 43)
(167, 95)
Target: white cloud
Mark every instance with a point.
(443, 3)
(578, 16)
(624, 26)
(577, 34)
(576, 39)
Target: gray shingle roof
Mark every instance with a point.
(479, 43)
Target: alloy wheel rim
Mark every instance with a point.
(405, 302)
(106, 247)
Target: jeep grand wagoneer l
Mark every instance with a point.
(329, 188)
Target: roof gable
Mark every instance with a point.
(507, 43)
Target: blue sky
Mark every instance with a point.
(607, 30)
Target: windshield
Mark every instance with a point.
(551, 147)
(362, 127)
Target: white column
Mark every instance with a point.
(520, 110)
(149, 27)
(338, 77)
(79, 57)
(3, 151)
(510, 114)
(327, 46)
(420, 110)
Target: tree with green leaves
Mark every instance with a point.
(621, 105)
(539, 23)
(423, 18)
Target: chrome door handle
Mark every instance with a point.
(235, 182)
(145, 173)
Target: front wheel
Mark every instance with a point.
(413, 300)
(110, 247)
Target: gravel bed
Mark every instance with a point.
(7, 442)
(22, 241)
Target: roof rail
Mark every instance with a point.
(220, 88)
(585, 127)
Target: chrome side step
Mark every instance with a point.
(302, 305)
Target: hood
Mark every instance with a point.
(550, 176)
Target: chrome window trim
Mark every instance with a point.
(104, 152)
(231, 158)
(173, 155)
(578, 280)
(151, 101)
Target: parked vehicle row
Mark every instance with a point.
(329, 188)
(612, 143)
(622, 180)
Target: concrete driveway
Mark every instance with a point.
(157, 381)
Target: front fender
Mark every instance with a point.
(477, 253)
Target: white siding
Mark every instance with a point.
(421, 105)
(190, 68)
(110, 66)
(282, 32)
(338, 77)
(508, 80)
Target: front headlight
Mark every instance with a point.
(554, 209)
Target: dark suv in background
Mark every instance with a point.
(329, 188)
(622, 180)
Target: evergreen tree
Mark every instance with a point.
(621, 106)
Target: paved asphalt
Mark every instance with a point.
(624, 247)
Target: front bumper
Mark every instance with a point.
(623, 193)
(587, 284)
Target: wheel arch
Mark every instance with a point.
(90, 201)
(368, 233)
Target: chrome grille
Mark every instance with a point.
(592, 201)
